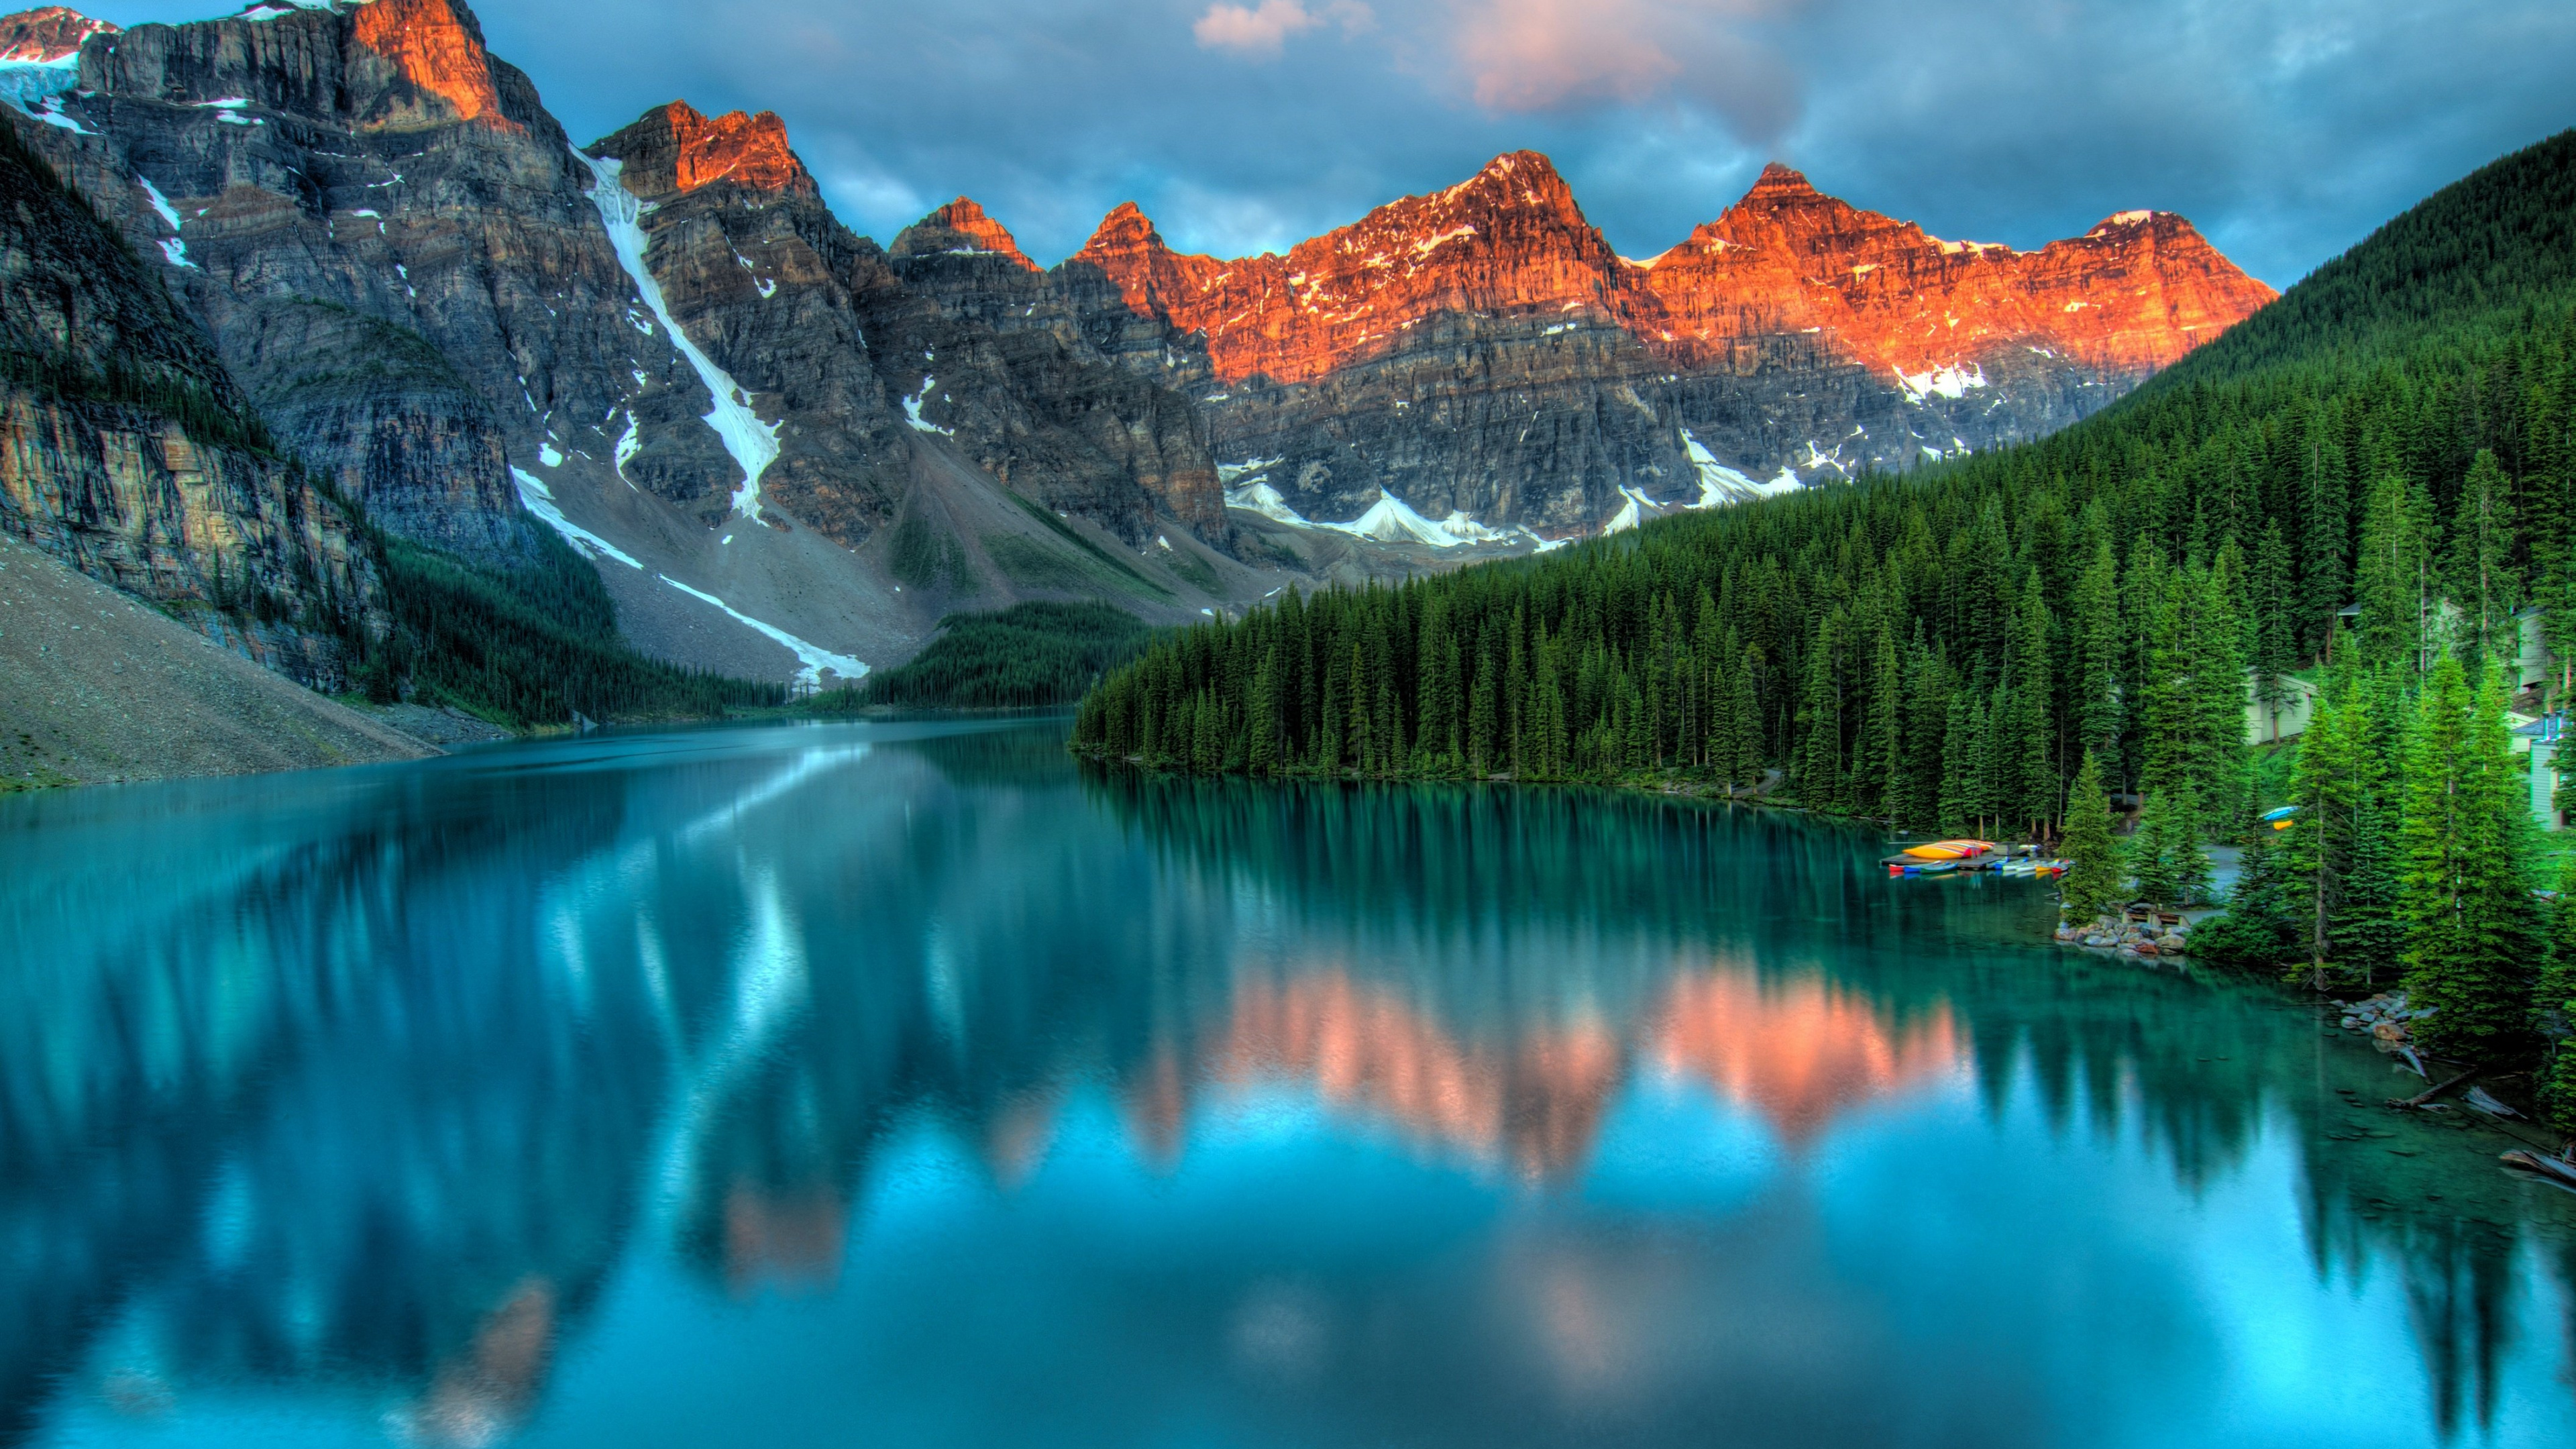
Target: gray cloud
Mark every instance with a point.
(2286, 128)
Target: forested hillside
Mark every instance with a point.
(1940, 650)
(1943, 651)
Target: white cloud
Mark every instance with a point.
(1261, 32)
(1553, 55)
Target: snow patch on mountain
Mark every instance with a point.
(753, 443)
(912, 411)
(1951, 382)
(1263, 499)
(816, 659)
(1720, 485)
(173, 248)
(1390, 520)
(539, 499)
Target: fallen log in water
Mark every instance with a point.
(2429, 1093)
(2557, 1169)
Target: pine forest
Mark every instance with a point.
(2368, 491)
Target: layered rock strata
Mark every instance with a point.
(856, 356)
(1482, 349)
(128, 451)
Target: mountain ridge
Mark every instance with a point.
(786, 448)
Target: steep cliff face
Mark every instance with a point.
(380, 412)
(128, 451)
(1030, 395)
(379, 160)
(669, 351)
(855, 359)
(1482, 350)
(752, 267)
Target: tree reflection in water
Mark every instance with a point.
(365, 1087)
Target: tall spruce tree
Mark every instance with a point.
(2553, 1007)
(2466, 908)
(2394, 556)
(2093, 881)
(2097, 647)
(2260, 927)
(2273, 651)
(2482, 577)
(2026, 735)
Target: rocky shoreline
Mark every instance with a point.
(2129, 933)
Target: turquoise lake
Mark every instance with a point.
(892, 1084)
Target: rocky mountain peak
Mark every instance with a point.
(963, 228)
(2120, 223)
(1777, 181)
(1510, 238)
(1125, 227)
(47, 34)
(1525, 178)
(677, 149)
(437, 45)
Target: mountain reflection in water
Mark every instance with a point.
(903, 1083)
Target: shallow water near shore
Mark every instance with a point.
(910, 1084)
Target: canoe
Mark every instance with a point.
(2284, 813)
(1951, 850)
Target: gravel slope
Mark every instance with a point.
(96, 687)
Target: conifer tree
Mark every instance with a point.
(2097, 649)
(2324, 788)
(1927, 721)
(2274, 651)
(1362, 752)
(2482, 577)
(2218, 670)
(2027, 773)
(1962, 745)
(2393, 557)
(1263, 758)
(2466, 910)
(1820, 720)
(2365, 923)
(2092, 884)
(2324, 534)
(1886, 730)
(1745, 682)
(2171, 866)
(1484, 716)
(2260, 927)
(2553, 1006)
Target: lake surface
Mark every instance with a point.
(908, 1085)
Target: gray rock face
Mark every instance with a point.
(853, 349)
(378, 161)
(128, 451)
(403, 261)
(1481, 350)
(390, 422)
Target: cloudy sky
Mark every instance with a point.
(2286, 128)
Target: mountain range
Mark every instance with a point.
(374, 291)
